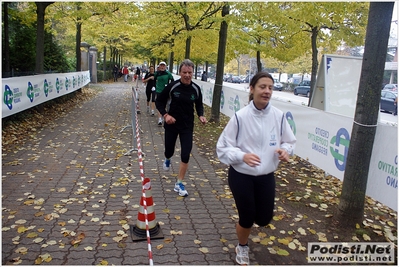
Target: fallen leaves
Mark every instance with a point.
(38, 240)
(22, 229)
(32, 235)
(43, 258)
(173, 232)
(204, 250)
(22, 250)
(78, 239)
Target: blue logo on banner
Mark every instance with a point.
(45, 87)
(328, 63)
(29, 92)
(236, 104)
(57, 85)
(66, 83)
(341, 139)
(291, 121)
(8, 97)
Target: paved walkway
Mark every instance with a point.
(73, 182)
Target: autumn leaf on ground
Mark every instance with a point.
(204, 250)
(167, 240)
(22, 250)
(256, 240)
(173, 232)
(283, 252)
(366, 237)
(31, 235)
(43, 258)
(78, 239)
(22, 229)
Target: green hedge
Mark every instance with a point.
(100, 75)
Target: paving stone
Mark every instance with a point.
(83, 136)
(79, 261)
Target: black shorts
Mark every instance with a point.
(254, 197)
(150, 94)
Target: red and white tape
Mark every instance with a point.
(145, 186)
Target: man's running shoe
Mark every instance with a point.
(179, 187)
(160, 121)
(166, 164)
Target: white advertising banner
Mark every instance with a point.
(20, 93)
(323, 139)
(383, 172)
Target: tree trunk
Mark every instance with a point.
(105, 64)
(258, 63)
(217, 90)
(172, 55)
(351, 206)
(315, 63)
(40, 12)
(188, 46)
(78, 41)
(6, 51)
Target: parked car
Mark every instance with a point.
(387, 101)
(390, 86)
(303, 88)
(248, 78)
(278, 85)
(227, 78)
(235, 79)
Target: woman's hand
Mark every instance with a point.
(282, 154)
(252, 159)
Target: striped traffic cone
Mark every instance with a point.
(146, 226)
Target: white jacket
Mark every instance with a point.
(257, 131)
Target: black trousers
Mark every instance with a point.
(186, 142)
(254, 197)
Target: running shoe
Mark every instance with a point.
(242, 257)
(166, 164)
(179, 187)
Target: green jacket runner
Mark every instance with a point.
(162, 79)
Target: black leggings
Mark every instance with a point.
(254, 197)
(150, 94)
(186, 143)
